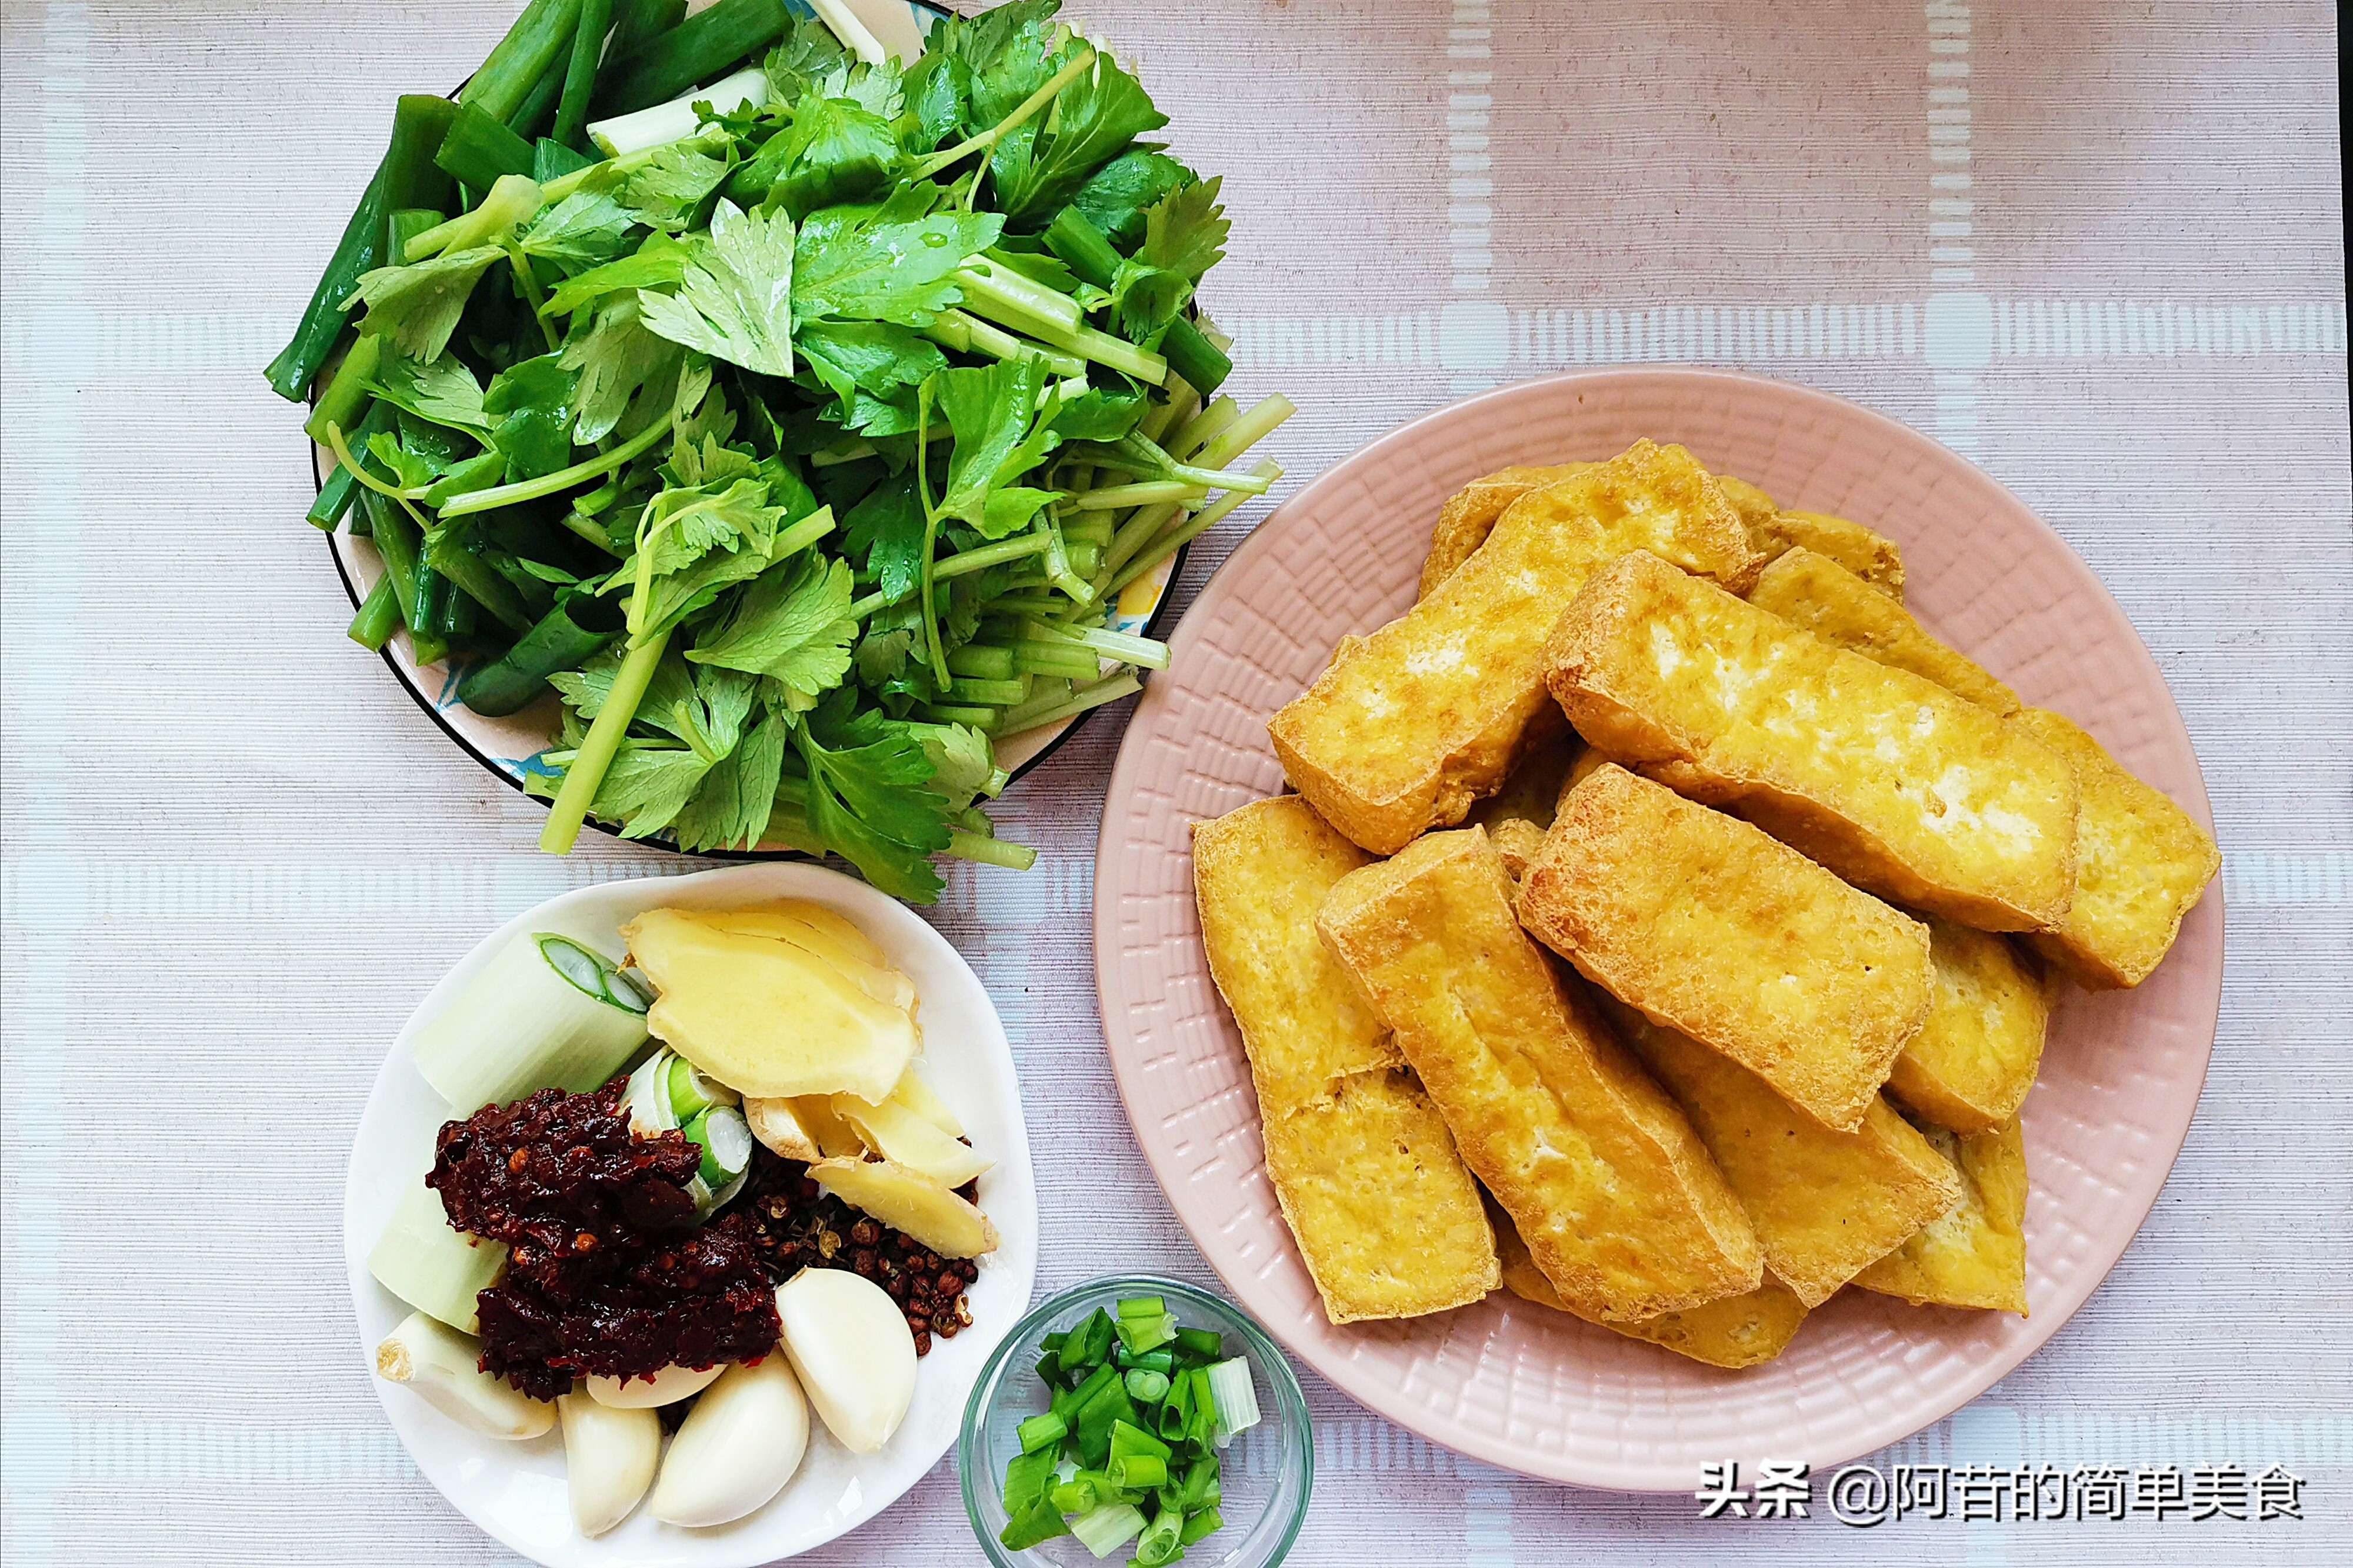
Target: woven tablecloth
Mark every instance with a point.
(2094, 247)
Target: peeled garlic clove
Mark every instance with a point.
(445, 1367)
(851, 1348)
(609, 1457)
(667, 1386)
(739, 1446)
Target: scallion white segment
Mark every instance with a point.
(675, 120)
(1237, 1400)
(545, 1011)
(1105, 1530)
(433, 1268)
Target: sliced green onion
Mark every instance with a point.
(1042, 1432)
(1147, 1333)
(1142, 1307)
(1105, 1530)
(1235, 1398)
(1206, 1343)
(1147, 1385)
(1162, 1540)
(1200, 1524)
(1139, 1472)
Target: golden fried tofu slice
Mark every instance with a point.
(1756, 508)
(1969, 1067)
(1389, 1220)
(1518, 842)
(1732, 1332)
(1872, 557)
(1532, 792)
(1815, 592)
(1825, 1204)
(1260, 873)
(1880, 775)
(2143, 864)
(1435, 709)
(1385, 1214)
(1975, 1256)
(1470, 514)
(1715, 929)
(1621, 1205)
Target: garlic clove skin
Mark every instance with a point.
(444, 1366)
(739, 1446)
(851, 1348)
(609, 1457)
(667, 1386)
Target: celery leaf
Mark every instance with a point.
(419, 305)
(791, 624)
(735, 301)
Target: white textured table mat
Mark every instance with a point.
(2095, 248)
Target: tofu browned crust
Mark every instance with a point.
(1387, 1218)
(1430, 714)
(1975, 1256)
(1619, 1204)
(2143, 864)
(1260, 873)
(1825, 1204)
(1712, 928)
(1969, 1067)
(1736, 1331)
(1882, 775)
(1470, 514)
(1813, 591)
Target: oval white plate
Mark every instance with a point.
(516, 1490)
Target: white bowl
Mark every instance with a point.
(516, 1490)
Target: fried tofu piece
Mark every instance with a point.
(1618, 1202)
(1533, 791)
(1385, 1214)
(1387, 1218)
(1260, 873)
(1434, 710)
(1969, 1067)
(1733, 1332)
(1880, 775)
(1756, 508)
(1975, 1256)
(1873, 557)
(1470, 514)
(1717, 929)
(2143, 864)
(1825, 1204)
(1813, 591)
(1518, 842)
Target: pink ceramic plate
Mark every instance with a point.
(1518, 1386)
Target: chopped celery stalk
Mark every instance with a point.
(676, 121)
(1236, 1399)
(1038, 712)
(1042, 1432)
(1105, 1530)
(433, 1268)
(544, 1013)
(990, 851)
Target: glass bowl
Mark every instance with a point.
(1266, 1473)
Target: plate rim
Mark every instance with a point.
(1648, 1476)
(1014, 1164)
